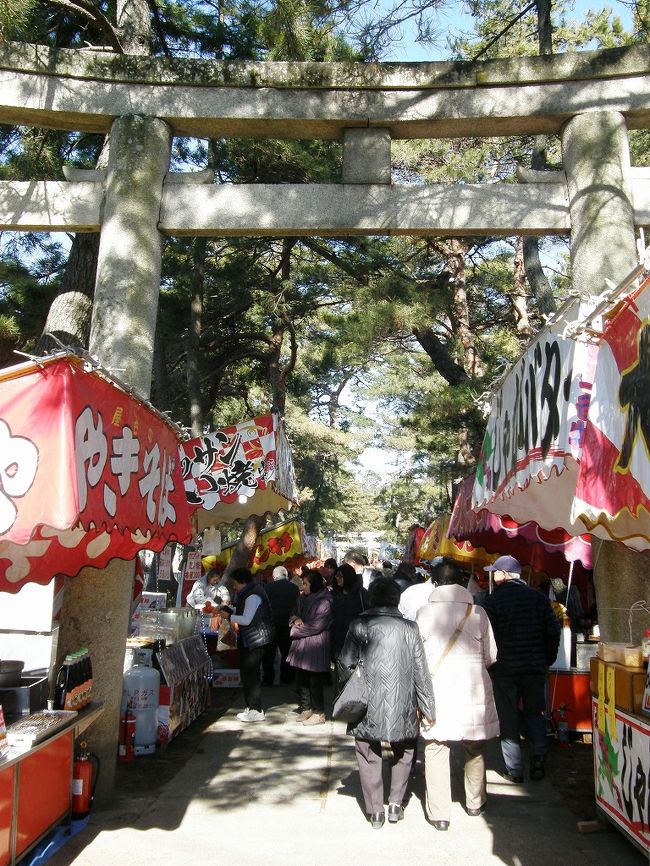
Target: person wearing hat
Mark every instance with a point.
(527, 635)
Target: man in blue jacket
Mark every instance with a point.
(527, 635)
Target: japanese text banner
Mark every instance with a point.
(87, 473)
(239, 471)
(528, 466)
(613, 490)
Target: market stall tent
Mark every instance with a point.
(88, 473)
(612, 495)
(544, 550)
(438, 540)
(283, 544)
(530, 458)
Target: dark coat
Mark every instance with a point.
(310, 642)
(347, 606)
(396, 674)
(526, 630)
(260, 630)
(282, 595)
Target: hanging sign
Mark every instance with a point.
(239, 471)
(87, 473)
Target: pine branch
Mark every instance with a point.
(96, 16)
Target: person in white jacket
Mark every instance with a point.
(459, 646)
(208, 588)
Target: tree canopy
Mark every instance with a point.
(388, 342)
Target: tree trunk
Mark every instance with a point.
(68, 319)
(440, 356)
(134, 26)
(246, 545)
(519, 295)
(194, 337)
(455, 265)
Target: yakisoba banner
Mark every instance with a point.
(87, 473)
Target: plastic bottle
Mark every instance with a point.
(61, 685)
(645, 646)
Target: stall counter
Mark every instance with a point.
(622, 771)
(35, 787)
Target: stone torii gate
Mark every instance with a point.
(589, 99)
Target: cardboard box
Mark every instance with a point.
(629, 684)
(225, 678)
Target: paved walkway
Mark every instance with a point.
(280, 794)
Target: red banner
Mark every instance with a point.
(87, 473)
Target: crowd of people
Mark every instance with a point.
(443, 658)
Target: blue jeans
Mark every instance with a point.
(531, 690)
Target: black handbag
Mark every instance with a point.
(352, 703)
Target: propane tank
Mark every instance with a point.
(84, 778)
(126, 741)
(142, 692)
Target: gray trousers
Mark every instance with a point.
(438, 778)
(370, 765)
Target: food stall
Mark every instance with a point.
(88, 473)
(566, 446)
(543, 554)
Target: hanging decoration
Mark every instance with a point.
(613, 489)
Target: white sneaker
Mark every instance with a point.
(252, 716)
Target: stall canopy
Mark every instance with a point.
(88, 473)
(283, 544)
(545, 550)
(239, 471)
(613, 490)
(529, 463)
(439, 541)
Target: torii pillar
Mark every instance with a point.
(596, 159)
(96, 609)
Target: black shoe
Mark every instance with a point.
(513, 777)
(377, 820)
(474, 813)
(537, 769)
(440, 825)
(395, 813)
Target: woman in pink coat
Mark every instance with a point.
(459, 647)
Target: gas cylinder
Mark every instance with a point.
(84, 779)
(142, 692)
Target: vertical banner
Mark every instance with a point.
(165, 563)
(191, 574)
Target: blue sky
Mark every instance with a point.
(453, 20)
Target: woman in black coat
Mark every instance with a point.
(399, 684)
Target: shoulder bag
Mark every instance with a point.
(351, 704)
(452, 640)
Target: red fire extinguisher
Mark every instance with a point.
(126, 743)
(84, 780)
